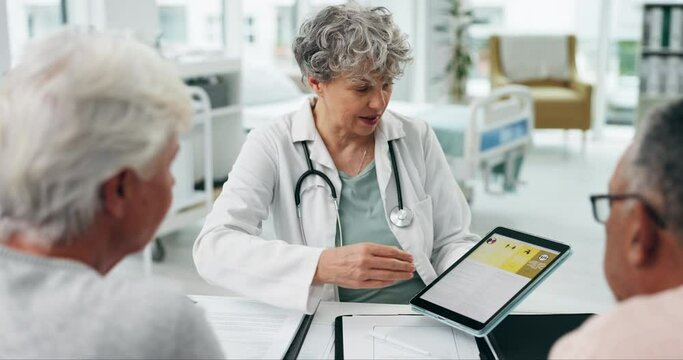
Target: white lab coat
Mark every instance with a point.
(229, 252)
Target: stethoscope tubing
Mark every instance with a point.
(396, 176)
(403, 221)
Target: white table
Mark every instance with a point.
(321, 333)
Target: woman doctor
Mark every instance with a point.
(401, 217)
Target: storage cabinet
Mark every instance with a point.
(661, 59)
(220, 79)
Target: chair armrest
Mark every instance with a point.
(498, 80)
(584, 89)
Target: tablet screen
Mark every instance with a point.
(490, 276)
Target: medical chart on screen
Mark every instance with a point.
(489, 277)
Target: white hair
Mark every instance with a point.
(76, 110)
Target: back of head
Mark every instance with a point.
(658, 164)
(77, 109)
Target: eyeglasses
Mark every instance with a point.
(602, 204)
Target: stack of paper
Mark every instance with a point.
(248, 329)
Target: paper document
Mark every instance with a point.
(319, 342)
(248, 329)
(404, 337)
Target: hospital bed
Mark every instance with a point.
(491, 136)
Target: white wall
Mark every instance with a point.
(545, 16)
(139, 16)
(5, 55)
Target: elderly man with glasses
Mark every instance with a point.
(643, 216)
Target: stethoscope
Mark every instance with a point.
(399, 216)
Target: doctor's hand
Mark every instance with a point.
(363, 266)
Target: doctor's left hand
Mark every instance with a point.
(363, 266)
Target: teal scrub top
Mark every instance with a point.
(363, 219)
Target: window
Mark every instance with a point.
(173, 23)
(269, 29)
(186, 24)
(31, 18)
(42, 18)
(627, 53)
(485, 20)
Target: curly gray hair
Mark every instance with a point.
(351, 39)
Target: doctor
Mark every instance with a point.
(364, 205)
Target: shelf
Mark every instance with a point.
(659, 98)
(203, 67)
(663, 3)
(662, 53)
(228, 110)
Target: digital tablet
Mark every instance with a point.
(483, 286)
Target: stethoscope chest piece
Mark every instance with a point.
(401, 217)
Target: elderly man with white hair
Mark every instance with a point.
(88, 130)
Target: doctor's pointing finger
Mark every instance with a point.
(364, 206)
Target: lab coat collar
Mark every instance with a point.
(390, 127)
(303, 129)
(303, 126)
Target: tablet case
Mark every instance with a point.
(298, 341)
(518, 336)
(339, 337)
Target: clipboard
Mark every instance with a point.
(518, 336)
(413, 336)
(339, 332)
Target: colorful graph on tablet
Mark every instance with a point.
(513, 256)
(489, 277)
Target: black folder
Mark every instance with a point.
(527, 336)
(298, 341)
(518, 336)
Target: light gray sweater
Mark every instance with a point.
(55, 308)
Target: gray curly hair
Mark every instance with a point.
(351, 39)
(657, 169)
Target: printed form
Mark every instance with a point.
(248, 329)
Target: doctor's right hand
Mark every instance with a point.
(363, 266)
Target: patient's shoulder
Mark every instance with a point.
(154, 295)
(645, 326)
(160, 313)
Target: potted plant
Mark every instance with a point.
(459, 64)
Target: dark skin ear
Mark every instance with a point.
(114, 191)
(645, 245)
